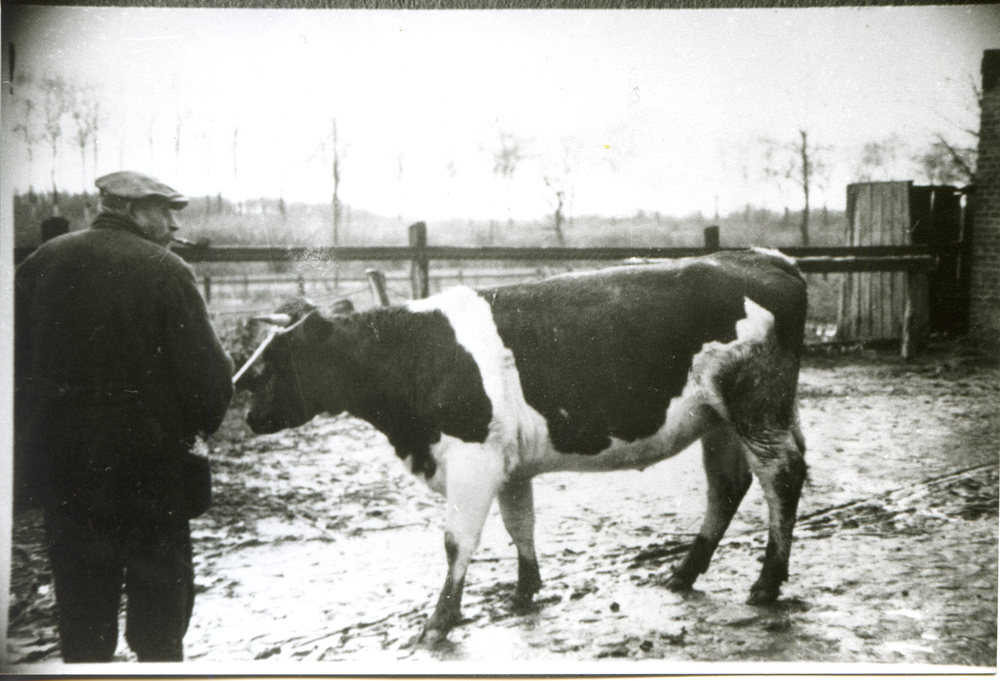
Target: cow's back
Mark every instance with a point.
(602, 354)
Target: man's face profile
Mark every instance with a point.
(156, 219)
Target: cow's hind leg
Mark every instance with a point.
(778, 461)
(517, 507)
(729, 478)
(473, 476)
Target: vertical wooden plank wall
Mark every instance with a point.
(899, 233)
(872, 304)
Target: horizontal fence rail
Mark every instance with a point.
(915, 260)
(885, 254)
(898, 263)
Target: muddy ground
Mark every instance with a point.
(320, 548)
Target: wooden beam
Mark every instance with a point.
(376, 280)
(909, 263)
(461, 253)
(420, 276)
(711, 237)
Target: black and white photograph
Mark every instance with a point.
(500, 341)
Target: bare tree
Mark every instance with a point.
(507, 156)
(942, 163)
(206, 140)
(335, 171)
(56, 102)
(180, 116)
(282, 209)
(235, 147)
(25, 129)
(559, 172)
(86, 116)
(177, 142)
(946, 161)
(99, 121)
(236, 177)
(797, 162)
(151, 138)
(557, 206)
(878, 159)
(745, 178)
(331, 150)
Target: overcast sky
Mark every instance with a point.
(624, 110)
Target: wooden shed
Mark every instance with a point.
(873, 305)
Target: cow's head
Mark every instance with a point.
(300, 372)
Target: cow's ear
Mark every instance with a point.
(342, 307)
(316, 328)
(297, 308)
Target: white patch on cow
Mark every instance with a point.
(757, 326)
(516, 429)
(754, 330)
(453, 457)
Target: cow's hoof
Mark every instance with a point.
(522, 603)
(763, 595)
(432, 638)
(679, 583)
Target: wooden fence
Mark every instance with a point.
(913, 260)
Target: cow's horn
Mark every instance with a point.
(275, 319)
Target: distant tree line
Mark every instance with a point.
(52, 116)
(276, 223)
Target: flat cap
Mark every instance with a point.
(128, 184)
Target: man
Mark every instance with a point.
(117, 370)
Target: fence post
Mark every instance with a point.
(208, 288)
(915, 313)
(712, 238)
(376, 280)
(302, 285)
(419, 268)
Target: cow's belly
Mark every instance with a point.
(529, 450)
(684, 423)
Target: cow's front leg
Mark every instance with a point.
(517, 507)
(473, 476)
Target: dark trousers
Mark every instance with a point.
(91, 564)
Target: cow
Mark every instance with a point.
(481, 390)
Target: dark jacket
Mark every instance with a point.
(117, 368)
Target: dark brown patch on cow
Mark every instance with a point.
(602, 355)
(412, 380)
